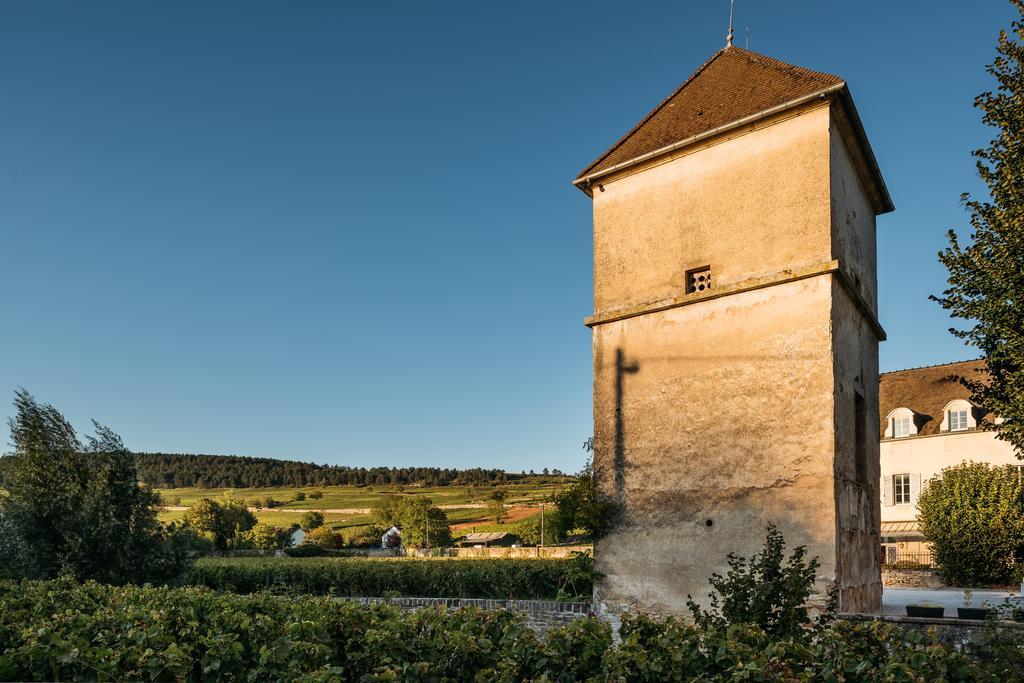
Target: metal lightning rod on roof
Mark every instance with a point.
(728, 38)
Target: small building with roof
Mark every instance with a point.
(392, 538)
(488, 539)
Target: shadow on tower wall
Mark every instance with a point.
(622, 368)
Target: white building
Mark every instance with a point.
(392, 538)
(928, 423)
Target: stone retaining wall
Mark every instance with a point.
(910, 578)
(953, 632)
(540, 615)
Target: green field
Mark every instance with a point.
(354, 499)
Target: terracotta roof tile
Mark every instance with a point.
(733, 84)
(926, 391)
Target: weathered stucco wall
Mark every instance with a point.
(853, 221)
(856, 456)
(752, 205)
(715, 413)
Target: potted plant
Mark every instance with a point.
(928, 610)
(968, 612)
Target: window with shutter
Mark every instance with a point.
(915, 487)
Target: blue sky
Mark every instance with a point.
(345, 232)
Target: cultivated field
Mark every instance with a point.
(347, 507)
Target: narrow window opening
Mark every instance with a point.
(860, 439)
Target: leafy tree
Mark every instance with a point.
(221, 520)
(77, 508)
(266, 537)
(300, 496)
(316, 495)
(366, 537)
(388, 510)
(414, 515)
(986, 277)
(973, 515)
(423, 524)
(205, 516)
(496, 506)
(529, 530)
(581, 506)
(312, 520)
(15, 560)
(326, 537)
(764, 591)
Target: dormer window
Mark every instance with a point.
(900, 423)
(958, 416)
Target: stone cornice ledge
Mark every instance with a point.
(749, 285)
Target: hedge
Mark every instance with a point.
(528, 579)
(60, 630)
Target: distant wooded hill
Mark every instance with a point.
(176, 470)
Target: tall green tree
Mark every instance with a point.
(78, 509)
(496, 506)
(220, 520)
(423, 524)
(986, 276)
(580, 506)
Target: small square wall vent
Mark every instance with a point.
(698, 280)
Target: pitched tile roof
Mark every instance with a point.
(732, 85)
(926, 391)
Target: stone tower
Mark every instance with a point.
(735, 334)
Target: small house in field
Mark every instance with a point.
(489, 539)
(392, 538)
(298, 536)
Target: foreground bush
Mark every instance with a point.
(537, 579)
(60, 630)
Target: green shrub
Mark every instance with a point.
(60, 630)
(542, 579)
(325, 537)
(764, 591)
(263, 537)
(312, 520)
(973, 514)
(365, 537)
(307, 550)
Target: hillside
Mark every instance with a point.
(177, 470)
